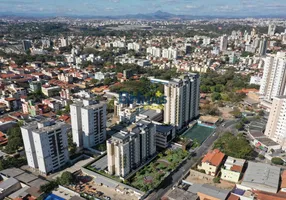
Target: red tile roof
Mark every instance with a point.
(214, 157)
(283, 178)
(244, 90)
(233, 197)
(270, 196)
(236, 168)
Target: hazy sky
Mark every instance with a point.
(119, 7)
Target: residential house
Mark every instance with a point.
(212, 162)
(232, 169)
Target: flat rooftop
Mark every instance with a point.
(209, 190)
(262, 174)
(179, 194)
(24, 177)
(267, 141)
(150, 113)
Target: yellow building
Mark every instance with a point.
(211, 162)
(231, 171)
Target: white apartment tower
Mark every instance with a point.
(276, 124)
(46, 145)
(271, 29)
(128, 150)
(183, 96)
(170, 53)
(154, 51)
(134, 46)
(223, 43)
(88, 120)
(274, 76)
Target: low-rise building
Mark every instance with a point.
(212, 162)
(8, 186)
(50, 90)
(209, 192)
(164, 135)
(261, 176)
(232, 169)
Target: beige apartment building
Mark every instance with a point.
(276, 124)
(183, 96)
(127, 150)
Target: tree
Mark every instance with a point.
(236, 113)
(48, 187)
(239, 126)
(15, 140)
(72, 145)
(110, 106)
(260, 156)
(107, 81)
(67, 178)
(216, 180)
(277, 161)
(216, 96)
(93, 81)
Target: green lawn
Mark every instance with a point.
(152, 175)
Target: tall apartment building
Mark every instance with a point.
(27, 45)
(223, 43)
(46, 145)
(134, 46)
(64, 42)
(127, 150)
(274, 76)
(271, 29)
(276, 124)
(155, 51)
(183, 96)
(88, 119)
(262, 47)
(170, 53)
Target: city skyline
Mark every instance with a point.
(124, 7)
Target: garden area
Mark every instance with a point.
(152, 175)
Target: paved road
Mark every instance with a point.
(169, 182)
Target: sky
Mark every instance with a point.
(122, 7)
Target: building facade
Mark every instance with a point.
(88, 120)
(232, 169)
(212, 162)
(276, 124)
(46, 145)
(182, 97)
(274, 76)
(128, 150)
(223, 43)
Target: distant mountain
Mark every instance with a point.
(158, 15)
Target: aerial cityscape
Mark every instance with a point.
(133, 100)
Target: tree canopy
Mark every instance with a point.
(277, 161)
(235, 146)
(15, 140)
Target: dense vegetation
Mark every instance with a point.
(66, 178)
(15, 141)
(143, 87)
(224, 86)
(12, 162)
(235, 146)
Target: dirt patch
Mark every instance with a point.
(201, 178)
